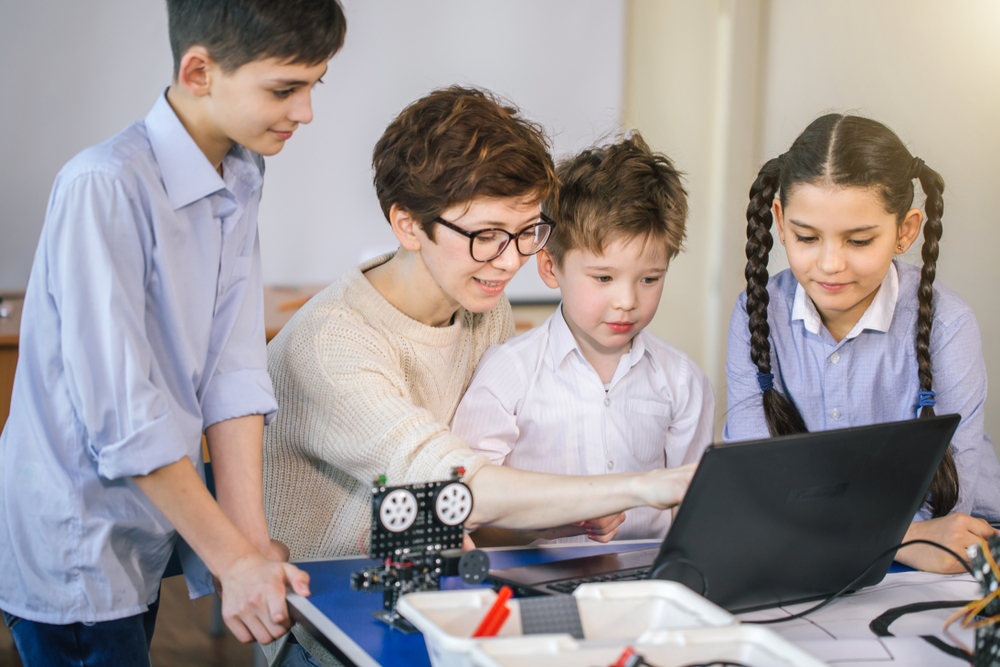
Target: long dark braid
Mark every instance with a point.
(944, 486)
(846, 151)
(781, 415)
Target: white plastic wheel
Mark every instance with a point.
(454, 504)
(398, 510)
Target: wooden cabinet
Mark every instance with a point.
(280, 304)
(9, 327)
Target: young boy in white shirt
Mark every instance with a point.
(589, 392)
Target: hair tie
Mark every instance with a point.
(765, 380)
(925, 399)
(915, 168)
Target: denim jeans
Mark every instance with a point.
(299, 657)
(124, 641)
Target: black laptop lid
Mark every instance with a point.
(798, 517)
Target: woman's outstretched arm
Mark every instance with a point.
(510, 498)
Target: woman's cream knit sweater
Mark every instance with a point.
(363, 390)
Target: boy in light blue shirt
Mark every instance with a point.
(143, 328)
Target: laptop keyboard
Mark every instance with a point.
(569, 585)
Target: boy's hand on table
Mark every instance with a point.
(253, 606)
(276, 551)
(956, 531)
(603, 529)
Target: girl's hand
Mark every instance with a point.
(956, 531)
(665, 487)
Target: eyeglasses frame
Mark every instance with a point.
(542, 220)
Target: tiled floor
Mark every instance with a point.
(181, 638)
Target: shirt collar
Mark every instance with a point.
(562, 343)
(187, 174)
(561, 340)
(877, 317)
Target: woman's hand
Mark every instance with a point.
(956, 531)
(665, 487)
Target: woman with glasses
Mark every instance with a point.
(369, 373)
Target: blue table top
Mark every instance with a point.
(351, 611)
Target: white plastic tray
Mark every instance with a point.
(609, 611)
(747, 645)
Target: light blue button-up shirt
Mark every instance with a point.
(870, 376)
(142, 325)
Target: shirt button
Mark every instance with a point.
(611, 465)
(607, 401)
(835, 414)
(835, 358)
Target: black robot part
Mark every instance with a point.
(417, 530)
(474, 566)
(987, 651)
(407, 519)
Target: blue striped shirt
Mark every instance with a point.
(142, 325)
(871, 377)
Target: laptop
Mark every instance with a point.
(777, 521)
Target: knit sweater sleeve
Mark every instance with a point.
(364, 420)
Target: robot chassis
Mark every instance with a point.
(417, 532)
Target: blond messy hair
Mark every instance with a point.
(617, 191)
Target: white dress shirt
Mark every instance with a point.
(536, 403)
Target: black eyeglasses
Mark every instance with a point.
(487, 244)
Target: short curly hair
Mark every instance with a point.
(616, 191)
(454, 145)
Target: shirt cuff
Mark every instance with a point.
(158, 443)
(196, 574)
(238, 394)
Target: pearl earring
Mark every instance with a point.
(900, 247)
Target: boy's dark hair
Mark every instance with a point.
(621, 190)
(454, 145)
(845, 151)
(235, 32)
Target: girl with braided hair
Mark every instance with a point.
(848, 336)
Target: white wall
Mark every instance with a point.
(71, 74)
(75, 73)
(931, 72)
(692, 88)
(720, 85)
(745, 77)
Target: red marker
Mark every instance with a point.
(624, 659)
(496, 616)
